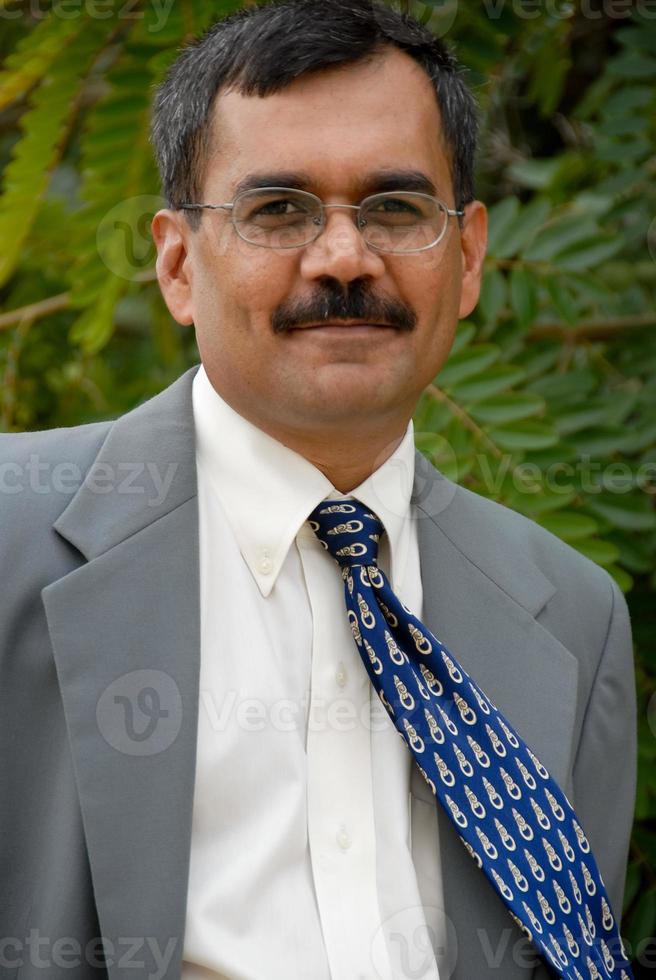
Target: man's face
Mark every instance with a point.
(342, 130)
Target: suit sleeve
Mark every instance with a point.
(604, 774)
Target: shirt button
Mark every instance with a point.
(343, 839)
(340, 676)
(265, 564)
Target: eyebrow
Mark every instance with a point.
(375, 183)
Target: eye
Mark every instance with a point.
(395, 205)
(281, 206)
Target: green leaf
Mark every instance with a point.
(557, 387)
(562, 300)
(630, 513)
(581, 418)
(30, 61)
(621, 576)
(632, 885)
(627, 98)
(588, 254)
(431, 415)
(523, 229)
(536, 359)
(112, 238)
(599, 441)
(601, 552)
(465, 333)
(559, 234)
(440, 453)
(569, 525)
(499, 377)
(641, 36)
(546, 501)
(621, 126)
(623, 150)
(632, 65)
(639, 436)
(507, 407)
(95, 325)
(460, 441)
(526, 434)
(466, 364)
(501, 217)
(494, 292)
(636, 554)
(523, 295)
(643, 921)
(537, 174)
(44, 126)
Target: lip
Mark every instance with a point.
(345, 328)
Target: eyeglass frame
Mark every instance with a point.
(449, 212)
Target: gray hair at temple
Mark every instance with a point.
(261, 50)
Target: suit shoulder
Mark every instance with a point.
(482, 526)
(40, 471)
(544, 547)
(60, 443)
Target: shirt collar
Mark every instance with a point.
(267, 490)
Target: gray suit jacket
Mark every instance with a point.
(101, 584)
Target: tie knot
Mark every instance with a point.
(348, 530)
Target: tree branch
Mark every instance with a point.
(592, 330)
(35, 310)
(462, 416)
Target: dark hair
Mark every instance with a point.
(260, 50)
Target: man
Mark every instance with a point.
(200, 778)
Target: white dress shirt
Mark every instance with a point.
(301, 864)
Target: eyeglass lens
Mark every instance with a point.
(279, 218)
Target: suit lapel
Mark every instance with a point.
(481, 597)
(125, 630)
(126, 641)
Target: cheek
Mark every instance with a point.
(247, 287)
(433, 285)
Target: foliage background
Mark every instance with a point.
(556, 368)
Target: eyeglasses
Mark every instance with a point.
(282, 217)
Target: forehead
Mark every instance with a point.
(335, 125)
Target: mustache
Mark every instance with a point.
(331, 302)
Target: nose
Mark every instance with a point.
(340, 251)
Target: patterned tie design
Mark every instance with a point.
(512, 817)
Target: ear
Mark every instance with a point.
(170, 234)
(473, 243)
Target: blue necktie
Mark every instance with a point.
(512, 817)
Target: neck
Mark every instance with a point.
(348, 467)
(346, 452)
(346, 457)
